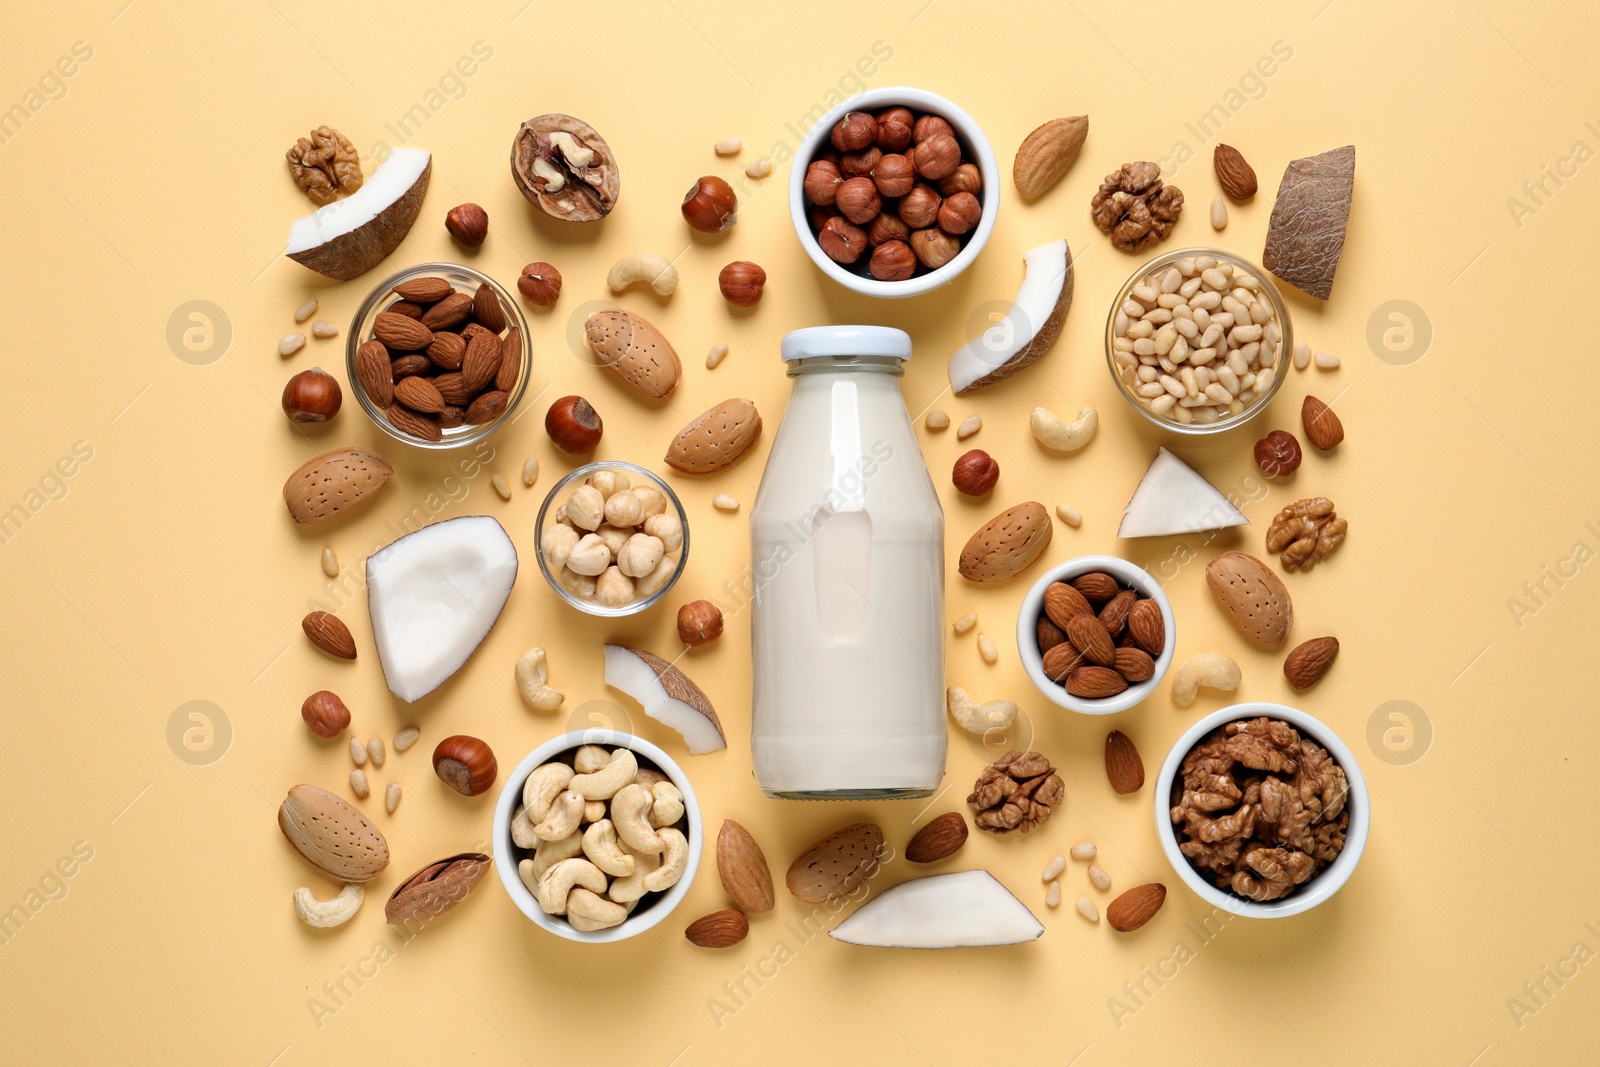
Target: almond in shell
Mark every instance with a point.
(633, 349)
(1047, 153)
(1309, 661)
(1007, 544)
(435, 889)
(334, 483)
(333, 836)
(716, 439)
(1254, 597)
(742, 866)
(837, 865)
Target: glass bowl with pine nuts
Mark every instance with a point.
(1197, 340)
(613, 538)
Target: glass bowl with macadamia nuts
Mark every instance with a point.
(613, 538)
(894, 192)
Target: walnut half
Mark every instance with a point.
(325, 165)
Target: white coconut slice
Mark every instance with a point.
(667, 695)
(1030, 328)
(351, 236)
(434, 596)
(1173, 499)
(964, 909)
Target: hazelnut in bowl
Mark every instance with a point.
(597, 835)
(894, 192)
(1096, 634)
(438, 356)
(613, 538)
(1262, 810)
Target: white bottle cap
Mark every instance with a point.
(846, 341)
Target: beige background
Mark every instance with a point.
(164, 570)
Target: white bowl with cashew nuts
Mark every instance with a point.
(597, 835)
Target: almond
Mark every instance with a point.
(453, 389)
(1047, 153)
(1097, 586)
(1253, 596)
(486, 308)
(447, 351)
(481, 362)
(406, 308)
(1114, 616)
(400, 333)
(435, 889)
(1124, 768)
(633, 349)
(720, 929)
(510, 360)
(1007, 544)
(1049, 635)
(1136, 907)
(1090, 637)
(419, 394)
(333, 837)
(407, 366)
(1061, 660)
(423, 427)
(423, 290)
(940, 839)
(329, 633)
(742, 866)
(333, 483)
(837, 865)
(1148, 628)
(716, 439)
(372, 371)
(1237, 178)
(451, 311)
(1309, 661)
(486, 408)
(1323, 428)
(1095, 683)
(1134, 664)
(1062, 602)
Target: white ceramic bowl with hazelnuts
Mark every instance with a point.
(894, 192)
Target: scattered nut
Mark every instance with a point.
(975, 473)
(1099, 878)
(937, 420)
(533, 676)
(325, 914)
(1071, 516)
(540, 283)
(969, 426)
(500, 487)
(965, 622)
(987, 650)
(699, 622)
(1053, 869)
(406, 738)
(325, 165)
(465, 764)
(728, 146)
(1052, 895)
(1306, 532)
(710, 205)
(724, 502)
(306, 310)
(1087, 909)
(1309, 661)
(1219, 213)
(1083, 850)
(530, 471)
(1237, 177)
(759, 168)
(1211, 670)
(325, 714)
(979, 719)
(742, 283)
(330, 562)
(468, 224)
(1326, 360)
(358, 783)
(291, 343)
(1278, 454)
(375, 751)
(358, 751)
(1059, 435)
(323, 328)
(574, 426)
(718, 353)
(1302, 355)
(650, 267)
(1134, 207)
(391, 797)
(1016, 792)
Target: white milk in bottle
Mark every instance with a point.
(847, 545)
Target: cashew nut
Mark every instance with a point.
(1210, 669)
(543, 786)
(559, 880)
(649, 776)
(589, 556)
(550, 853)
(604, 783)
(976, 718)
(1061, 436)
(588, 912)
(600, 845)
(594, 811)
(649, 267)
(672, 864)
(562, 818)
(630, 810)
(327, 913)
(533, 676)
(556, 545)
(522, 834)
(629, 888)
(668, 806)
(590, 758)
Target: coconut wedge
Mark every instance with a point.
(434, 596)
(667, 696)
(965, 909)
(1030, 327)
(1172, 499)
(351, 236)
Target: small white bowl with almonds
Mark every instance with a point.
(597, 835)
(613, 538)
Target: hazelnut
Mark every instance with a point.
(959, 213)
(822, 182)
(855, 131)
(975, 473)
(859, 164)
(887, 227)
(468, 224)
(894, 129)
(573, 425)
(741, 283)
(818, 216)
(892, 261)
(894, 175)
(965, 179)
(930, 126)
(699, 622)
(465, 764)
(920, 207)
(937, 157)
(325, 714)
(710, 206)
(858, 200)
(312, 396)
(934, 247)
(540, 283)
(1278, 454)
(842, 242)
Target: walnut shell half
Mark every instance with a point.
(565, 168)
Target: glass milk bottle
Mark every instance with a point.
(847, 546)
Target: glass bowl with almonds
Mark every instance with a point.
(438, 356)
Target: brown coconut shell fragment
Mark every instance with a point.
(1306, 235)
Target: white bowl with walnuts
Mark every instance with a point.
(894, 192)
(613, 538)
(597, 835)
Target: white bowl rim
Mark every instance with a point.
(1326, 882)
(505, 858)
(969, 131)
(1028, 644)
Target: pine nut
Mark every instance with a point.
(291, 343)
(501, 487)
(1219, 214)
(965, 623)
(358, 751)
(330, 563)
(1087, 909)
(724, 502)
(759, 168)
(306, 310)
(406, 738)
(936, 420)
(1099, 878)
(1302, 355)
(1052, 896)
(1053, 869)
(1326, 361)
(358, 783)
(324, 328)
(969, 426)
(1071, 516)
(375, 751)
(1083, 850)
(728, 146)
(391, 797)
(718, 353)
(530, 471)
(987, 650)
